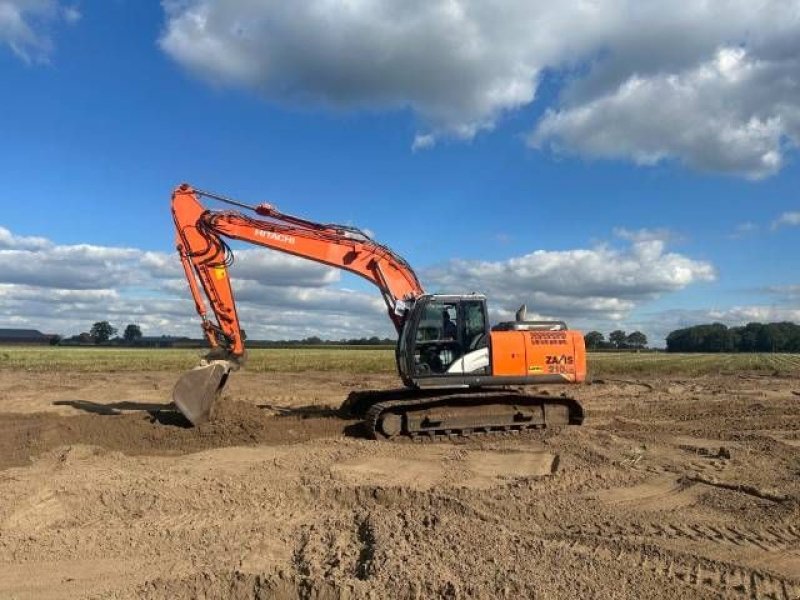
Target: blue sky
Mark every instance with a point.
(649, 211)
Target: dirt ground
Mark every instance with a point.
(673, 488)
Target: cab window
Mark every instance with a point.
(437, 338)
(475, 325)
(439, 322)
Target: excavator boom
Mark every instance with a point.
(205, 257)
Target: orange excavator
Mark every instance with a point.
(461, 376)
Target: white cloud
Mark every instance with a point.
(423, 141)
(646, 235)
(787, 219)
(276, 269)
(732, 113)
(79, 267)
(744, 230)
(713, 85)
(599, 283)
(25, 26)
(71, 14)
(445, 60)
(65, 288)
(17, 242)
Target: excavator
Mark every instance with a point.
(461, 376)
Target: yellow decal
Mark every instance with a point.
(219, 272)
(535, 368)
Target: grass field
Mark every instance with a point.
(603, 364)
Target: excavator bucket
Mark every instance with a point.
(195, 392)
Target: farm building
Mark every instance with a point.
(25, 336)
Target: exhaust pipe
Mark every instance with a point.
(196, 390)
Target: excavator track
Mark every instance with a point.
(448, 414)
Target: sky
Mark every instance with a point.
(612, 163)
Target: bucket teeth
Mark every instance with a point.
(196, 390)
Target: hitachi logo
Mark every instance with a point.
(278, 237)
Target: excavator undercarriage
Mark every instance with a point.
(407, 413)
(445, 414)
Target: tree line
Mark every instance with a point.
(753, 337)
(104, 334)
(617, 340)
(714, 337)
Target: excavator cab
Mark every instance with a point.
(447, 342)
(443, 338)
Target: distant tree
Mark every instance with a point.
(715, 337)
(84, 338)
(132, 333)
(618, 338)
(746, 338)
(102, 331)
(753, 337)
(55, 340)
(594, 339)
(718, 338)
(636, 340)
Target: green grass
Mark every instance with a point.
(355, 360)
(360, 360)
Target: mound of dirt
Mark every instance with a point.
(166, 431)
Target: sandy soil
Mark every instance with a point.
(672, 489)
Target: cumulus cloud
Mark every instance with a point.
(65, 288)
(732, 113)
(263, 266)
(9, 240)
(69, 267)
(602, 282)
(714, 85)
(446, 60)
(276, 269)
(25, 26)
(787, 219)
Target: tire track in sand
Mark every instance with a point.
(767, 539)
(723, 578)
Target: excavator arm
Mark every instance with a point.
(204, 253)
(205, 257)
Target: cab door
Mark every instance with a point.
(437, 338)
(474, 336)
